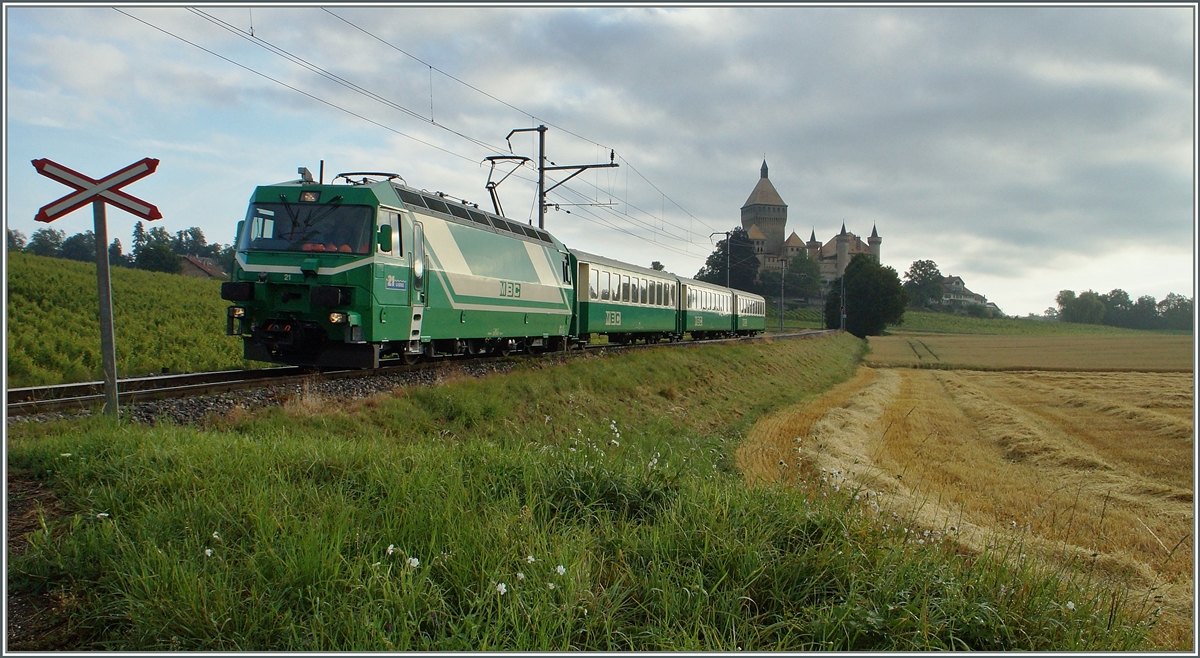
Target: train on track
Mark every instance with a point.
(346, 275)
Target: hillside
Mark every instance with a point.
(160, 321)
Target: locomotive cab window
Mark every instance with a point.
(317, 227)
(594, 288)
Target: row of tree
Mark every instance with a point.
(1116, 309)
(155, 250)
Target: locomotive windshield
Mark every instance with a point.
(308, 227)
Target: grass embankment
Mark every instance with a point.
(591, 506)
(160, 321)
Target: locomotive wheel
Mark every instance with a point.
(411, 358)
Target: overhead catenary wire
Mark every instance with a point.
(533, 118)
(295, 89)
(625, 216)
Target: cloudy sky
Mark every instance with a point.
(1027, 150)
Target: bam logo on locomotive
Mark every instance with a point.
(612, 318)
(394, 284)
(510, 289)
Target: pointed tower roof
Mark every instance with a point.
(764, 193)
(813, 237)
(843, 229)
(874, 233)
(793, 241)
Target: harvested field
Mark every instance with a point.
(1090, 473)
(1146, 353)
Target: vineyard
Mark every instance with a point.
(160, 321)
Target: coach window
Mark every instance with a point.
(624, 288)
(604, 285)
(594, 289)
(642, 290)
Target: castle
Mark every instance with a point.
(764, 216)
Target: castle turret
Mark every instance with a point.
(875, 241)
(814, 247)
(843, 250)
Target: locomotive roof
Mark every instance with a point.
(432, 202)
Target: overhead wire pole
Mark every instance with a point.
(542, 168)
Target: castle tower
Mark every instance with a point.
(875, 241)
(766, 210)
(843, 250)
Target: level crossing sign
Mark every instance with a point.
(87, 190)
(99, 192)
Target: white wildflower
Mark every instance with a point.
(216, 536)
(530, 559)
(208, 552)
(520, 576)
(614, 442)
(413, 562)
(391, 548)
(501, 587)
(550, 585)
(560, 570)
(1070, 605)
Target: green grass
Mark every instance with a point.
(160, 321)
(921, 321)
(619, 469)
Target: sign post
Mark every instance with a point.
(99, 192)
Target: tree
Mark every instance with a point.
(190, 242)
(803, 279)
(16, 240)
(81, 247)
(1144, 314)
(874, 298)
(657, 266)
(1177, 312)
(46, 242)
(115, 257)
(1117, 308)
(152, 250)
(1087, 308)
(743, 263)
(923, 283)
(139, 236)
(157, 257)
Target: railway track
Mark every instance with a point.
(87, 395)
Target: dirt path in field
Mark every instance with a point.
(1091, 469)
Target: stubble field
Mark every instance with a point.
(1084, 464)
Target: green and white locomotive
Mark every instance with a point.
(346, 275)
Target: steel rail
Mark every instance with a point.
(83, 395)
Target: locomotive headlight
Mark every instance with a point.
(338, 318)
